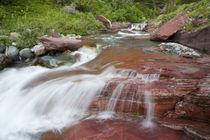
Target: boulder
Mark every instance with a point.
(107, 23)
(195, 39)
(178, 49)
(2, 48)
(170, 28)
(26, 53)
(62, 44)
(38, 49)
(13, 53)
(55, 61)
(4, 60)
(121, 25)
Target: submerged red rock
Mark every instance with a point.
(114, 129)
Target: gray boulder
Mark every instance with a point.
(4, 60)
(26, 54)
(2, 48)
(12, 52)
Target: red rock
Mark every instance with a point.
(204, 60)
(186, 56)
(142, 37)
(170, 28)
(107, 23)
(121, 25)
(62, 44)
(114, 129)
(195, 39)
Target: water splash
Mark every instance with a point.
(148, 101)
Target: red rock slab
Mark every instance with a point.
(114, 129)
(170, 28)
(121, 25)
(107, 23)
(142, 37)
(62, 44)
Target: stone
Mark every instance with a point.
(26, 53)
(57, 60)
(195, 39)
(2, 48)
(39, 49)
(178, 49)
(13, 53)
(170, 28)
(200, 21)
(62, 44)
(4, 60)
(15, 36)
(121, 25)
(55, 34)
(107, 23)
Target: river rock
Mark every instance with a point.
(55, 34)
(195, 39)
(39, 49)
(170, 28)
(2, 48)
(26, 53)
(62, 44)
(15, 36)
(57, 60)
(178, 49)
(107, 23)
(4, 60)
(13, 53)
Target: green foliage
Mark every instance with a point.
(193, 10)
(28, 38)
(5, 40)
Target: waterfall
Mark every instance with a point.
(148, 101)
(138, 26)
(134, 78)
(52, 104)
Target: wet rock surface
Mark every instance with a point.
(112, 129)
(181, 79)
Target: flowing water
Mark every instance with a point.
(34, 99)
